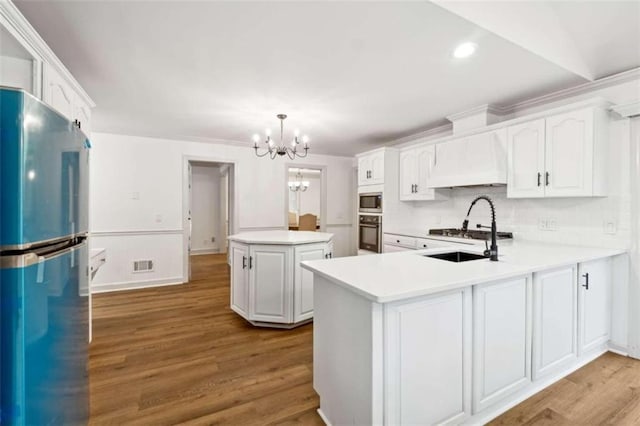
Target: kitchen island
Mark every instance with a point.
(404, 338)
(268, 287)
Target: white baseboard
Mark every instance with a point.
(134, 285)
(617, 349)
(323, 417)
(198, 252)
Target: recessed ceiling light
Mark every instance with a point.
(464, 50)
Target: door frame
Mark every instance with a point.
(323, 192)
(634, 253)
(233, 201)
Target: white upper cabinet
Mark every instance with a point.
(561, 156)
(569, 154)
(371, 168)
(525, 146)
(415, 173)
(27, 63)
(58, 94)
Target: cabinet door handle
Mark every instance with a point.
(539, 178)
(416, 188)
(586, 281)
(413, 188)
(250, 262)
(244, 262)
(546, 179)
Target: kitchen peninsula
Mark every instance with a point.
(268, 287)
(404, 338)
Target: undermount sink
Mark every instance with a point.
(456, 256)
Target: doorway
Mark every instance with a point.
(209, 213)
(306, 198)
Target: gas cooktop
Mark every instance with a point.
(470, 234)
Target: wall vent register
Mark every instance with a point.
(143, 266)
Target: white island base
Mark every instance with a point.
(404, 339)
(268, 287)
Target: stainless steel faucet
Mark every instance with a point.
(492, 252)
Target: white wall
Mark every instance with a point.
(136, 203)
(206, 205)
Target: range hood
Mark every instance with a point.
(476, 160)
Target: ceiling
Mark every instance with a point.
(352, 75)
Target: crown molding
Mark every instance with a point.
(481, 109)
(627, 110)
(603, 83)
(581, 89)
(18, 25)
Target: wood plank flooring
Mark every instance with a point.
(179, 355)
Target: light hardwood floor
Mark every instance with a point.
(179, 355)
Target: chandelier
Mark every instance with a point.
(298, 184)
(274, 150)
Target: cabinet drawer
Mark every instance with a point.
(424, 243)
(399, 240)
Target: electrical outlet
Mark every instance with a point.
(135, 195)
(543, 224)
(610, 226)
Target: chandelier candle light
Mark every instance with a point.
(299, 184)
(282, 149)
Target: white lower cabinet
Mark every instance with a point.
(239, 254)
(501, 340)
(594, 301)
(428, 359)
(303, 280)
(555, 330)
(268, 285)
(270, 278)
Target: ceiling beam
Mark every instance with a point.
(532, 25)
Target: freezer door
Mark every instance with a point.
(44, 162)
(44, 338)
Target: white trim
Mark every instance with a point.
(446, 129)
(340, 225)
(200, 252)
(23, 28)
(323, 417)
(480, 109)
(533, 388)
(596, 102)
(627, 110)
(581, 89)
(234, 201)
(323, 192)
(135, 285)
(260, 228)
(134, 232)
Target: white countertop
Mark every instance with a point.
(281, 237)
(391, 277)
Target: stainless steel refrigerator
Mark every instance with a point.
(43, 264)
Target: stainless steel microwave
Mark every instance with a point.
(370, 202)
